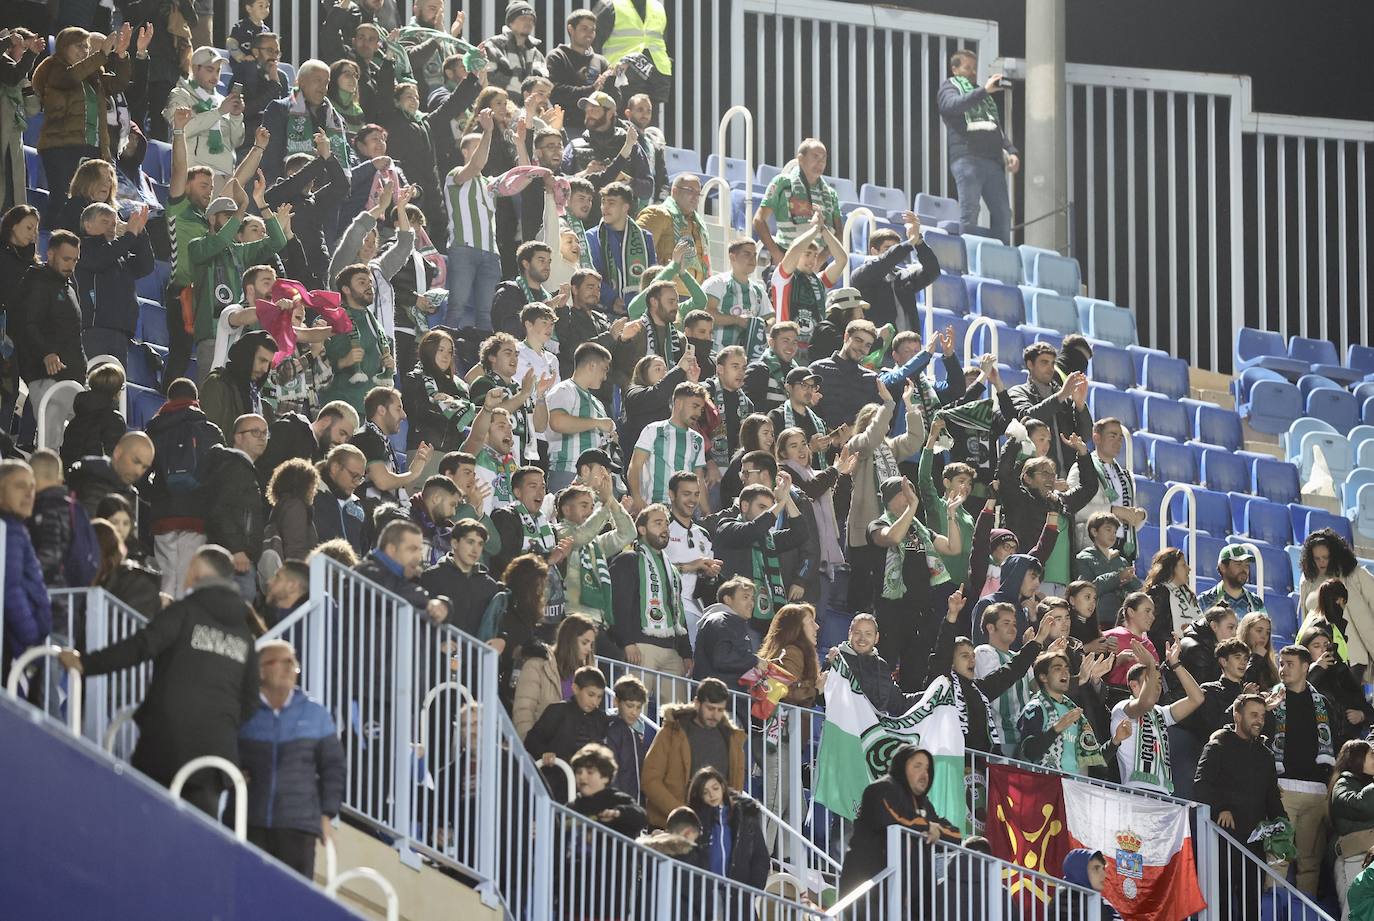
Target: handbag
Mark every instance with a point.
(1355, 844)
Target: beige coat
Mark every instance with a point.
(863, 502)
(537, 688)
(1359, 612)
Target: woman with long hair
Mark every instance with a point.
(1176, 605)
(291, 525)
(731, 829)
(130, 582)
(1133, 623)
(1351, 808)
(18, 254)
(1331, 675)
(526, 577)
(649, 397)
(93, 181)
(1328, 612)
(436, 400)
(791, 644)
(547, 679)
(116, 509)
(755, 434)
(343, 93)
(792, 451)
(1326, 555)
(1256, 632)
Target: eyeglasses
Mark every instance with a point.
(256, 433)
(356, 477)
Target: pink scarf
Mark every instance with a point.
(514, 181)
(279, 323)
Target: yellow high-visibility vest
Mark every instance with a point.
(634, 34)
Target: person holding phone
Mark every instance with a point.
(980, 153)
(216, 129)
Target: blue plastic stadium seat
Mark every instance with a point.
(1350, 489)
(1272, 406)
(882, 198)
(934, 209)
(1278, 569)
(1321, 355)
(1364, 513)
(1357, 437)
(993, 259)
(151, 286)
(152, 322)
(1139, 354)
(682, 160)
(1147, 545)
(1291, 439)
(1245, 382)
(1266, 521)
(1309, 383)
(39, 199)
(1175, 462)
(1148, 495)
(1010, 343)
(1283, 613)
(765, 173)
(35, 126)
(1223, 471)
(1263, 349)
(1216, 426)
(1365, 458)
(1165, 375)
(948, 248)
(1169, 418)
(1047, 269)
(1337, 407)
(143, 404)
(993, 299)
(1315, 519)
(1363, 390)
(1213, 510)
(948, 293)
(1050, 310)
(1275, 480)
(1367, 411)
(1038, 334)
(140, 368)
(1208, 548)
(1144, 448)
(1334, 448)
(736, 170)
(1106, 321)
(157, 160)
(1107, 402)
(844, 188)
(1112, 366)
(1360, 358)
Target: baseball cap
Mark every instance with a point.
(801, 376)
(222, 204)
(599, 98)
(594, 456)
(205, 55)
(891, 488)
(1238, 553)
(846, 298)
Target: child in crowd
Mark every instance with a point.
(245, 33)
(626, 735)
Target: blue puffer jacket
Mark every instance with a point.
(294, 763)
(28, 612)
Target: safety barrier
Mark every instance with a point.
(948, 881)
(229, 769)
(89, 619)
(27, 657)
(53, 412)
(1242, 885)
(978, 323)
(393, 903)
(1164, 517)
(847, 235)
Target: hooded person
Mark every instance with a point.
(236, 389)
(1020, 580)
(1086, 868)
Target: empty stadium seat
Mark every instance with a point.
(1167, 417)
(1112, 366)
(1321, 355)
(883, 199)
(1275, 480)
(1367, 411)
(1243, 383)
(935, 209)
(1351, 487)
(1363, 391)
(1223, 471)
(39, 199)
(1283, 613)
(1360, 358)
(1147, 545)
(1263, 349)
(1208, 548)
(1266, 521)
(1104, 320)
(1307, 519)
(1213, 510)
(1334, 448)
(1364, 512)
(993, 299)
(1272, 406)
(1357, 437)
(1138, 355)
(144, 402)
(844, 188)
(1143, 461)
(1278, 571)
(1173, 461)
(1213, 425)
(1337, 407)
(1148, 495)
(765, 173)
(1107, 402)
(947, 293)
(1309, 383)
(948, 248)
(993, 259)
(142, 369)
(1165, 375)
(1047, 269)
(1038, 334)
(1010, 343)
(1049, 310)
(152, 322)
(681, 160)
(736, 170)
(1291, 438)
(157, 160)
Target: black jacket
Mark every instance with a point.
(52, 325)
(313, 215)
(289, 436)
(573, 74)
(1023, 511)
(336, 519)
(576, 326)
(1063, 418)
(235, 513)
(50, 532)
(644, 406)
(258, 91)
(629, 823)
(15, 263)
(95, 428)
(604, 146)
(106, 278)
(1343, 690)
(628, 628)
(875, 680)
(1239, 777)
(175, 498)
(137, 586)
(887, 283)
(565, 727)
(1215, 711)
(204, 684)
(954, 104)
(993, 686)
(92, 479)
(506, 306)
(1197, 652)
(847, 387)
(427, 421)
(373, 568)
(726, 647)
(749, 857)
(734, 541)
(763, 390)
(468, 593)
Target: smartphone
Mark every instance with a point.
(1004, 83)
(236, 89)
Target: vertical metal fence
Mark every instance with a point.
(88, 619)
(1243, 886)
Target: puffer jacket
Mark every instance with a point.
(668, 762)
(234, 512)
(107, 278)
(1352, 803)
(847, 387)
(95, 429)
(537, 688)
(28, 613)
(61, 89)
(294, 763)
(1197, 652)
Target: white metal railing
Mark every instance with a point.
(1242, 885)
(393, 902)
(850, 223)
(722, 135)
(1164, 517)
(978, 323)
(90, 619)
(121, 719)
(1128, 445)
(719, 231)
(231, 770)
(57, 402)
(32, 654)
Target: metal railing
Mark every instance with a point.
(89, 619)
(949, 881)
(1241, 885)
(1165, 511)
(851, 224)
(230, 770)
(48, 653)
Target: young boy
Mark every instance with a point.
(246, 32)
(563, 728)
(1106, 567)
(626, 736)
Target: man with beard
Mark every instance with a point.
(357, 356)
(646, 591)
(535, 260)
(846, 385)
(765, 380)
(603, 141)
(525, 401)
(1233, 566)
(668, 446)
(496, 463)
(236, 389)
(584, 510)
(433, 509)
(50, 338)
(234, 512)
(337, 513)
(430, 46)
(293, 435)
(1060, 401)
(1117, 495)
(585, 322)
(663, 338)
(689, 547)
(576, 70)
(386, 482)
(676, 221)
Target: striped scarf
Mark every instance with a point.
(584, 255)
(789, 420)
(687, 227)
(1326, 751)
(660, 595)
(536, 534)
(205, 102)
(977, 116)
(594, 581)
(624, 272)
(770, 593)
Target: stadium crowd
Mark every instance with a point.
(474, 251)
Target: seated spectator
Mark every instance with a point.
(732, 826)
(216, 130)
(290, 751)
(53, 526)
(97, 424)
(94, 478)
(131, 582)
(726, 646)
(625, 736)
(1085, 868)
(28, 612)
(596, 769)
(567, 725)
(465, 581)
(290, 528)
(695, 733)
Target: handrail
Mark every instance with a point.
(43, 436)
(1169, 494)
(107, 741)
(567, 770)
(277, 630)
(96, 361)
(393, 902)
(1272, 881)
(859, 893)
(973, 327)
(331, 862)
(235, 775)
(723, 207)
(1129, 444)
(429, 701)
(1033, 768)
(847, 234)
(1259, 565)
(34, 653)
(721, 133)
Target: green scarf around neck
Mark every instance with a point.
(769, 592)
(595, 581)
(982, 111)
(624, 274)
(660, 595)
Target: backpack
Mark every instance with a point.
(180, 451)
(82, 561)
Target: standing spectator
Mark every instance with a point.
(1142, 757)
(999, 622)
(430, 46)
(295, 764)
(1198, 649)
(692, 736)
(236, 389)
(293, 435)
(1233, 566)
(216, 129)
(1326, 555)
(1304, 727)
(575, 69)
(535, 261)
(1230, 658)
(462, 577)
(54, 521)
(293, 122)
(634, 40)
(578, 421)
(1331, 676)
(675, 222)
(126, 579)
(1028, 497)
(1111, 573)
(49, 340)
(800, 284)
(436, 400)
(18, 254)
(525, 401)
(737, 303)
(1256, 632)
(96, 424)
(846, 385)
(646, 590)
(28, 612)
(395, 565)
(567, 725)
(235, 516)
(514, 52)
(1063, 408)
(386, 481)
(312, 185)
(263, 81)
(793, 198)
(204, 684)
(549, 678)
(360, 357)
(17, 102)
(600, 799)
(337, 514)
(1054, 731)
(588, 570)
(94, 478)
(1167, 584)
(732, 829)
(768, 525)
(639, 113)
(290, 528)
(75, 85)
(980, 153)
(666, 447)
(765, 379)
(731, 406)
(796, 413)
(619, 249)
(1117, 495)
(886, 281)
(106, 276)
(1352, 813)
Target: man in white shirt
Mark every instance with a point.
(257, 283)
(689, 546)
(668, 446)
(1117, 492)
(738, 303)
(1143, 756)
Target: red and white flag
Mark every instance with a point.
(1151, 875)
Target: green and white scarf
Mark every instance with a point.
(660, 595)
(807, 304)
(204, 101)
(1151, 764)
(300, 130)
(503, 468)
(536, 532)
(1326, 751)
(687, 227)
(770, 593)
(884, 466)
(789, 420)
(624, 274)
(13, 93)
(1125, 541)
(93, 111)
(1087, 752)
(584, 256)
(981, 113)
(917, 539)
(595, 581)
(460, 412)
(414, 33)
(957, 683)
